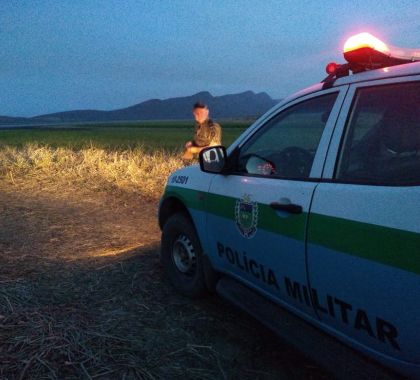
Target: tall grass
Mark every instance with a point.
(137, 170)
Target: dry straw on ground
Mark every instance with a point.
(82, 294)
(136, 170)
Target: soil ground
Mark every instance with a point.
(82, 295)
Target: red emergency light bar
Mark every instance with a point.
(366, 52)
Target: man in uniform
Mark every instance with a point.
(206, 132)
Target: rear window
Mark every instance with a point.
(382, 140)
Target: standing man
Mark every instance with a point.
(206, 132)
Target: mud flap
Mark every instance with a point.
(210, 275)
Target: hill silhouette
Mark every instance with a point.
(245, 104)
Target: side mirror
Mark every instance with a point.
(213, 159)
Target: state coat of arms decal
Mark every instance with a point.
(246, 216)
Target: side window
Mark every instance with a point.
(382, 140)
(285, 147)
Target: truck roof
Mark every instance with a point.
(406, 69)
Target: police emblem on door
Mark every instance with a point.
(246, 216)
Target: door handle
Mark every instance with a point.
(288, 207)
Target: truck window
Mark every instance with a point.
(285, 146)
(382, 140)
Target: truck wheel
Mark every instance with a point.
(181, 257)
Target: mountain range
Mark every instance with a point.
(245, 104)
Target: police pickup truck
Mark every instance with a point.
(315, 209)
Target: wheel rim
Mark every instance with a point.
(183, 255)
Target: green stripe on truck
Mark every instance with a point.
(389, 246)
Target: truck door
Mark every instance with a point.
(364, 226)
(257, 213)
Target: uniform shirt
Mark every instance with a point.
(207, 133)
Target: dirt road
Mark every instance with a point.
(82, 295)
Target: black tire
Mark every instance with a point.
(182, 257)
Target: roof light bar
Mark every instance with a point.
(365, 40)
(365, 52)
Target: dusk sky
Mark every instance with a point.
(64, 55)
